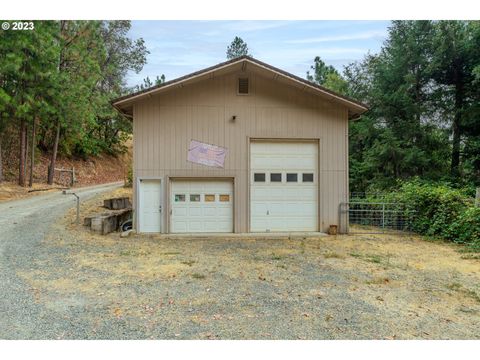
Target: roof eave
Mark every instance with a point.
(354, 106)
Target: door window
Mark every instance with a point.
(259, 177)
(194, 197)
(224, 198)
(292, 177)
(209, 197)
(179, 197)
(276, 177)
(307, 177)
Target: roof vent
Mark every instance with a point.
(243, 86)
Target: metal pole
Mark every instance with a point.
(347, 213)
(383, 217)
(78, 205)
(78, 208)
(477, 198)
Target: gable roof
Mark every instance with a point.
(124, 103)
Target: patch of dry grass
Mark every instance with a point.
(463, 290)
(378, 281)
(334, 255)
(12, 191)
(198, 276)
(139, 276)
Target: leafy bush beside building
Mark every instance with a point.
(441, 211)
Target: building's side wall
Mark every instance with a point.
(164, 125)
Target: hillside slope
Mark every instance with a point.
(95, 170)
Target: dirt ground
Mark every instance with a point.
(334, 287)
(12, 191)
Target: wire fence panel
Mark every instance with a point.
(358, 217)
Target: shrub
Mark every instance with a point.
(466, 228)
(440, 211)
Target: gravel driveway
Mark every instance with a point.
(23, 226)
(74, 284)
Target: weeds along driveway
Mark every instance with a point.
(344, 287)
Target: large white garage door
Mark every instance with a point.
(284, 186)
(201, 206)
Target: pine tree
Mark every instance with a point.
(456, 54)
(27, 73)
(237, 48)
(147, 83)
(402, 135)
(57, 81)
(321, 71)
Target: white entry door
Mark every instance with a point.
(201, 206)
(150, 206)
(283, 186)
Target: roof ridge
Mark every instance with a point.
(233, 61)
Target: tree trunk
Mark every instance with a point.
(25, 165)
(42, 142)
(456, 130)
(21, 165)
(51, 170)
(32, 159)
(1, 162)
(454, 167)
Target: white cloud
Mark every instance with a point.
(295, 54)
(248, 25)
(355, 36)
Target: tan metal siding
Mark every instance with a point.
(164, 125)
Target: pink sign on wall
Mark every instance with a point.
(206, 154)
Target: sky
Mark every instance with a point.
(178, 48)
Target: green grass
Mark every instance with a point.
(461, 289)
(188, 262)
(472, 294)
(134, 253)
(454, 286)
(376, 259)
(470, 257)
(198, 276)
(302, 247)
(333, 255)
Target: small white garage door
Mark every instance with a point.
(201, 206)
(150, 206)
(284, 186)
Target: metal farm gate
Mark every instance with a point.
(364, 217)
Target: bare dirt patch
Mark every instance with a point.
(12, 191)
(350, 287)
